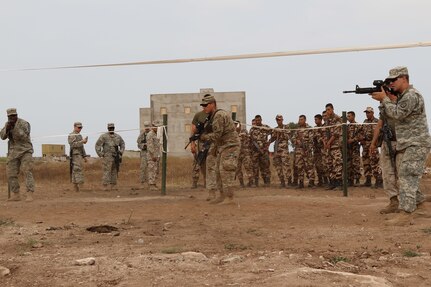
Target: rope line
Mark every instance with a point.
(239, 57)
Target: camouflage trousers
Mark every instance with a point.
(334, 162)
(389, 174)
(410, 167)
(354, 163)
(109, 170)
(211, 166)
(261, 163)
(325, 161)
(370, 162)
(198, 169)
(143, 167)
(304, 164)
(281, 162)
(153, 170)
(244, 161)
(23, 163)
(77, 169)
(227, 161)
(319, 163)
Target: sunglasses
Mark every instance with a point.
(79, 127)
(392, 80)
(204, 105)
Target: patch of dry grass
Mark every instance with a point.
(178, 173)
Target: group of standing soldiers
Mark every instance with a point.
(317, 154)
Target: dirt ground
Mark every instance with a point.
(272, 237)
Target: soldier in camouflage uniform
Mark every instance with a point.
(332, 144)
(387, 157)
(19, 157)
(304, 152)
(199, 119)
(143, 148)
(259, 152)
(281, 156)
(226, 140)
(413, 140)
(353, 150)
(244, 159)
(110, 146)
(370, 161)
(318, 151)
(77, 155)
(153, 155)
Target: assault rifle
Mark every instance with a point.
(388, 137)
(199, 131)
(203, 153)
(378, 84)
(70, 163)
(117, 159)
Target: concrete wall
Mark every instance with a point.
(181, 108)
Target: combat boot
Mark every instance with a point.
(311, 184)
(114, 187)
(250, 183)
(379, 183)
(331, 185)
(289, 182)
(401, 219)
(105, 187)
(320, 181)
(256, 182)
(367, 181)
(282, 183)
(211, 195)
(228, 200)
(29, 196)
(218, 199)
(266, 182)
(194, 184)
(392, 207)
(76, 187)
(14, 196)
(357, 181)
(153, 187)
(300, 185)
(241, 182)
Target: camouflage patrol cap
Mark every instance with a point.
(207, 99)
(157, 123)
(369, 109)
(397, 71)
(77, 124)
(111, 125)
(11, 112)
(147, 124)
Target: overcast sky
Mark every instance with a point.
(47, 33)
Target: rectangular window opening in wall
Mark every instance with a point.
(188, 128)
(187, 110)
(234, 108)
(163, 111)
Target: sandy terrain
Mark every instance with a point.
(272, 237)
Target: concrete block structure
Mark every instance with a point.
(181, 108)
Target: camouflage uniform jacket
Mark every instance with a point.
(411, 124)
(259, 135)
(318, 135)
(354, 131)
(153, 145)
(368, 129)
(76, 144)
(245, 141)
(108, 144)
(19, 139)
(280, 136)
(142, 140)
(304, 138)
(334, 131)
(223, 132)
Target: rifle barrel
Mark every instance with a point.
(347, 92)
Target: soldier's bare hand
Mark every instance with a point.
(379, 96)
(85, 159)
